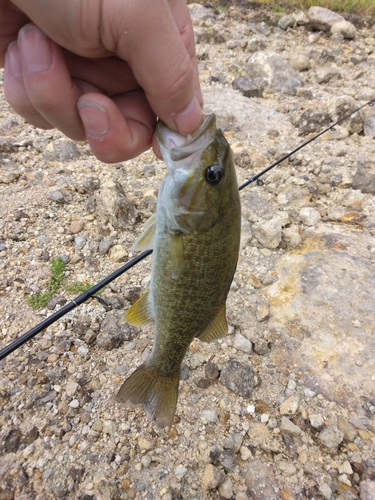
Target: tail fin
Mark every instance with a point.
(156, 393)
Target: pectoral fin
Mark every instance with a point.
(177, 255)
(146, 240)
(140, 312)
(217, 329)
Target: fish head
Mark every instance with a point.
(200, 175)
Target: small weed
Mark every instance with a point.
(40, 299)
(359, 7)
(222, 8)
(58, 269)
(77, 287)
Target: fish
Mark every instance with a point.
(195, 237)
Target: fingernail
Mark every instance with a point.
(95, 119)
(35, 49)
(189, 120)
(14, 60)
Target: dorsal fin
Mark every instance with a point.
(140, 312)
(218, 327)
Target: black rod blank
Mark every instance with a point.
(68, 307)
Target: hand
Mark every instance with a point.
(101, 70)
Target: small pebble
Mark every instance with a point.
(145, 461)
(209, 415)
(331, 436)
(75, 227)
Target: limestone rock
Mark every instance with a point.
(345, 28)
(199, 13)
(309, 216)
(268, 233)
(323, 19)
(260, 481)
(239, 378)
(367, 490)
(212, 477)
(113, 206)
(246, 87)
(300, 18)
(321, 269)
(341, 107)
(286, 22)
(299, 62)
(269, 70)
(61, 150)
(326, 73)
(258, 433)
(331, 436)
(369, 125)
(255, 208)
(290, 405)
(312, 121)
(226, 489)
(288, 427)
(236, 112)
(118, 253)
(364, 178)
(8, 173)
(242, 343)
(350, 432)
(114, 332)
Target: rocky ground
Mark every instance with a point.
(284, 406)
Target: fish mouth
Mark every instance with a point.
(179, 146)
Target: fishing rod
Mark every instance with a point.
(83, 297)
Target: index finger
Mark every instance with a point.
(160, 50)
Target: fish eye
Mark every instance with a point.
(214, 174)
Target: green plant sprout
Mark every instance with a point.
(58, 270)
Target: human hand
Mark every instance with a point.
(101, 71)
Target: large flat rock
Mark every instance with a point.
(323, 306)
(236, 112)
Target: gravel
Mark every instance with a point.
(281, 408)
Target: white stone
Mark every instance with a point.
(245, 453)
(180, 471)
(316, 420)
(71, 388)
(268, 233)
(322, 18)
(325, 490)
(345, 28)
(242, 343)
(226, 489)
(309, 216)
(288, 427)
(345, 468)
(118, 253)
(290, 405)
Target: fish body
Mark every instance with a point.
(195, 237)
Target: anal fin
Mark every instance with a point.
(218, 327)
(140, 312)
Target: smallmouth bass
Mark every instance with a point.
(195, 236)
